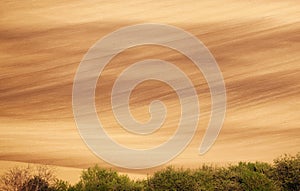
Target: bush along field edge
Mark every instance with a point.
(283, 174)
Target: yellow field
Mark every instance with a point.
(256, 45)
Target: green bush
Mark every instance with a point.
(242, 177)
(253, 176)
(204, 178)
(287, 172)
(284, 174)
(172, 179)
(98, 179)
(60, 185)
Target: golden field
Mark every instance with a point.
(256, 45)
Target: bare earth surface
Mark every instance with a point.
(256, 45)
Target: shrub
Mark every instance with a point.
(244, 176)
(287, 172)
(36, 184)
(14, 179)
(284, 174)
(172, 179)
(97, 179)
(60, 185)
(28, 178)
(204, 178)
(251, 176)
(225, 179)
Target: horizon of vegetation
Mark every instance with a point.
(283, 174)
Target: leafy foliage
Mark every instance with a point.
(60, 185)
(96, 178)
(251, 176)
(283, 175)
(172, 179)
(287, 172)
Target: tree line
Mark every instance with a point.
(283, 174)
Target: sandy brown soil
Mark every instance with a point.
(256, 45)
